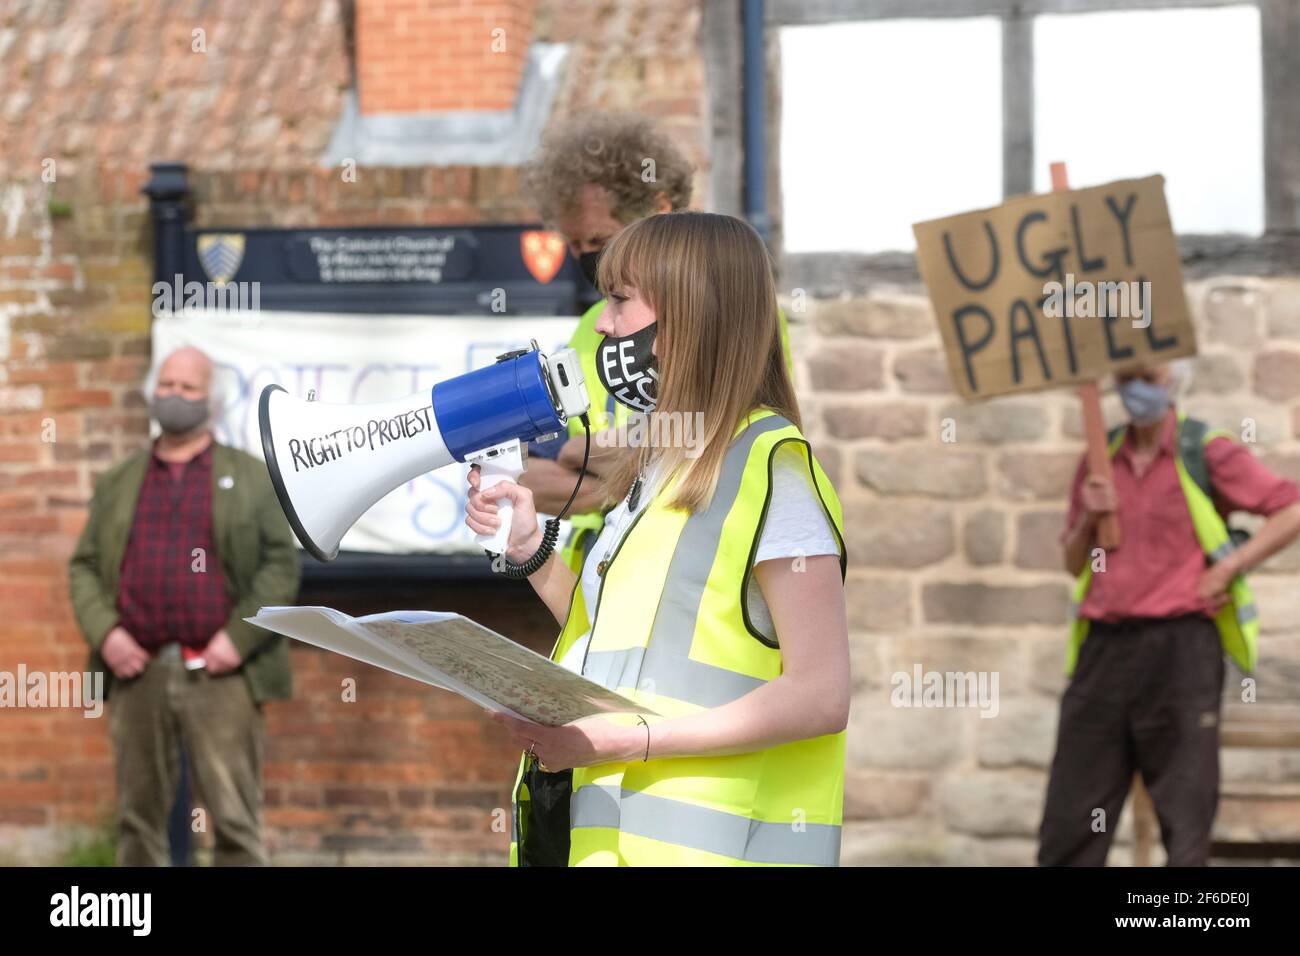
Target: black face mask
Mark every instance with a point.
(627, 368)
(587, 263)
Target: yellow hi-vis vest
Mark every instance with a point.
(677, 637)
(1238, 620)
(585, 341)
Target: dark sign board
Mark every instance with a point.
(465, 270)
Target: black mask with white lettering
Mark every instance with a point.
(627, 368)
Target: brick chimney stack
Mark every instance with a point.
(419, 56)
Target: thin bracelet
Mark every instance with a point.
(647, 738)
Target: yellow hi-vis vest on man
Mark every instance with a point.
(585, 341)
(1238, 620)
(676, 636)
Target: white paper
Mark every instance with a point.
(452, 652)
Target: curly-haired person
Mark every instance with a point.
(590, 178)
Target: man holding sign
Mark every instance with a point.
(1153, 620)
(1066, 288)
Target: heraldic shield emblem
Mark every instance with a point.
(221, 254)
(543, 254)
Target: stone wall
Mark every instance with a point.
(955, 564)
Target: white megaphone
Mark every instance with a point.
(330, 463)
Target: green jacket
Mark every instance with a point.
(253, 540)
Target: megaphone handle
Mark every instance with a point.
(490, 475)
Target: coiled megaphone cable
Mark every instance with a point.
(551, 533)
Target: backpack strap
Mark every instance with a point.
(1192, 436)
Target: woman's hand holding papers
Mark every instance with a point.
(583, 743)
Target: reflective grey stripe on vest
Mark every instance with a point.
(1223, 550)
(703, 828)
(679, 678)
(594, 805)
(614, 668)
(664, 665)
(1247, 613)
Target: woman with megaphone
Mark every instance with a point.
(717, 585)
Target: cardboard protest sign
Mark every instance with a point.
(1056, 289)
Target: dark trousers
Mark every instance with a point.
(1145, 697)
(220, 726)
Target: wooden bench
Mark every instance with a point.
(1257, 820)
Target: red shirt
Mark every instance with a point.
(168, 592)
(1155, 570)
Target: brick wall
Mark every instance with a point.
(639, 56)
(73, 317)
(416, 56)
(955, 566)
(401, 771)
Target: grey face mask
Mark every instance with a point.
(1145, 402)
(177, 415)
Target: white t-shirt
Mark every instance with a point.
(796, 525)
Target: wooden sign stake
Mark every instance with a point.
(1094, 425)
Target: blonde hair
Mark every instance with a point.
(708, 279)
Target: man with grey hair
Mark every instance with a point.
(183, 541)
(1153, 619)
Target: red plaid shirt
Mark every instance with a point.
(170, 591)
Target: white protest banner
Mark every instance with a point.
(350, 359)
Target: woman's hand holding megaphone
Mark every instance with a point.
(481, 515)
